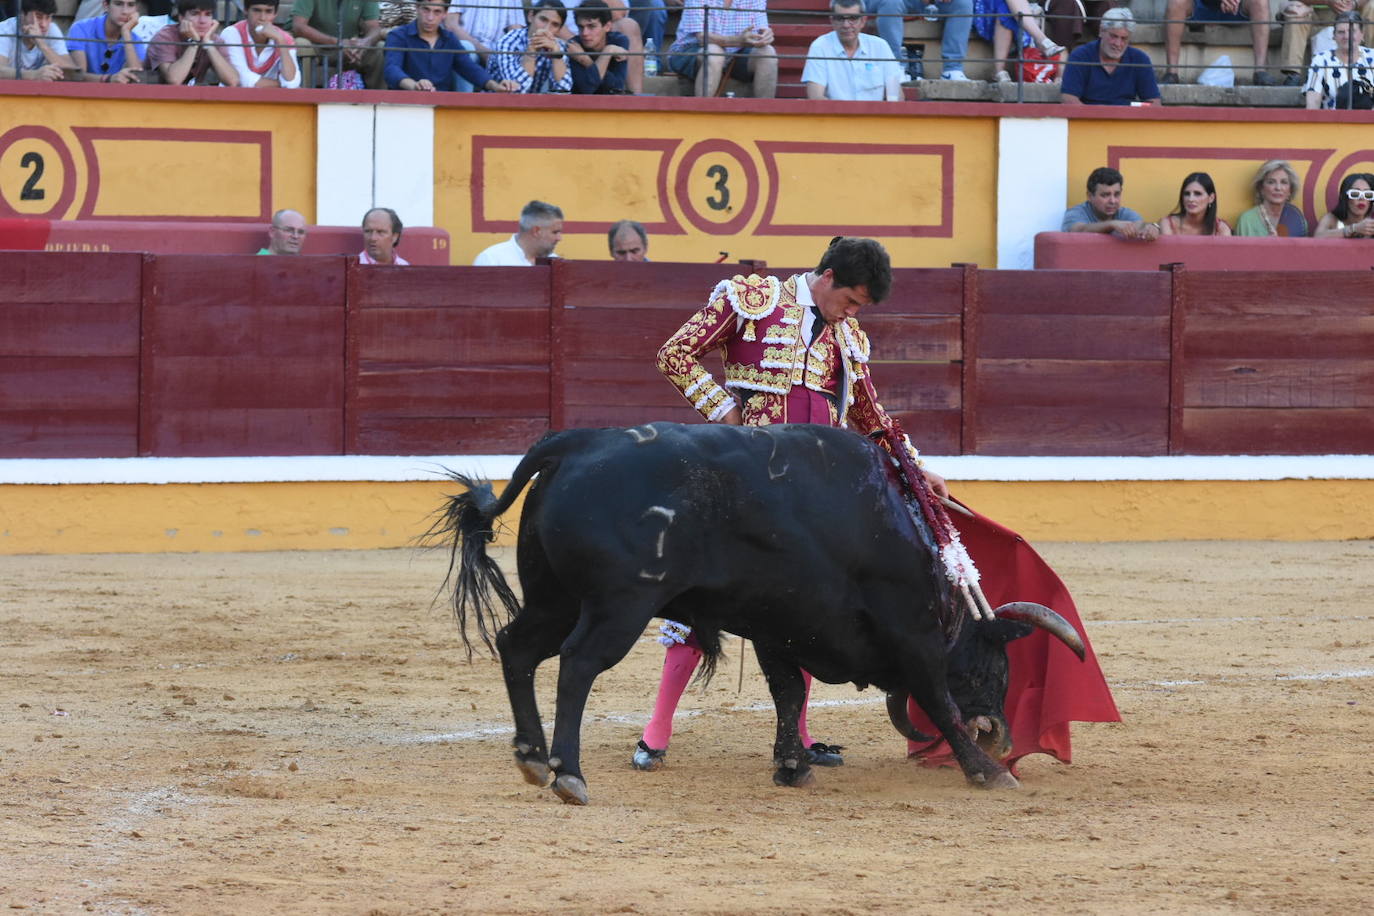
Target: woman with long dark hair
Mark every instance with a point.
(1197, 209)
(1353, 215)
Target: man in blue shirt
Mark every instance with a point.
(1109, 71)
(423, 56)
(103, 47)
(1103, 212)
(596, 55)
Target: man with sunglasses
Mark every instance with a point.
(104, 48)
(847, 65)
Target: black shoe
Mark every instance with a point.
(646, 758)
(825, 755)
(1169, 78)
(1265, 78)
(1293, 79)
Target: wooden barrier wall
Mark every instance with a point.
(118, 355)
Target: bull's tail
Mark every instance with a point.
(466, 524)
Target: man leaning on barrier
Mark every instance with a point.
(423, 56)
(847, 65)
(1103, 212)
(188, 49)
(1109, 71)
(32, 46)
(104, 48)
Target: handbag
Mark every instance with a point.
(1357, 94)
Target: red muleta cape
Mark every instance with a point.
(1048, 686)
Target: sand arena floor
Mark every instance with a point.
(299, 732)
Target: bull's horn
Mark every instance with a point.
(896, 711)
(1047, 620)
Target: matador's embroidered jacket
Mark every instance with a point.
(774, 376)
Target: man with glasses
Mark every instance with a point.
(103, 47)
(847, 65)
(286, 235)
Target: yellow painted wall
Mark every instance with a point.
(151, 158)
(1155, 156)
(313, 516)
(870, 175)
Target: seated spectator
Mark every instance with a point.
(533, 57)
(1255, 12)
(324, 27)
(1352, 217)
(739, 33)
(541, 229)
(628, 241)
(627, 28)
(484, 22)
(262, 54)
(41, 54)
(1298, 21)
(1276, 184)
(1197, 209)
(184, 52)
(1065, 19)
(426, 57)
(1109, 71)
(596, 54)
(1103, 212)
(1328, 79)
(995, 21)
(104, 48)
(652, 18)
(847, 65)
(957, 22)
(381, 234)
(286, 234)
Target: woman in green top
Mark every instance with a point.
(1276, 184)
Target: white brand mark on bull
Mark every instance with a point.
(643, 434)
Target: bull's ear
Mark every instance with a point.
(998, 630)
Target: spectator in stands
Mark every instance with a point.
(738, 33)
(628, 241)
(625, 27)
(1064, 19)
(350, 25)
(262, 54)
(1102, 211)
(1352, 217)
(381, 234)
(847, 65)
(1276, 184)
(1255, 12)
(533, 57)
(995, 21)
(286, 235)
(1109, 71)
(41, 54)
(541, 229)
(1329, 83)
(104, 48)
(484, 22)
(185, 51)
(597, 55)
(1197, 209)
(958, 21)
(1298, 20)
(424, 56)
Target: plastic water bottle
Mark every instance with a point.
(932, 12)
(650, 58)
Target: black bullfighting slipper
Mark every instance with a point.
(825, 755)
(646, 758)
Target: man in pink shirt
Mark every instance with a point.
(381, 234)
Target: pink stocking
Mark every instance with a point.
(679, 663)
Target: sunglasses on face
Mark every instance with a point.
(1357, 194)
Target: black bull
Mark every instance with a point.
(796, 537)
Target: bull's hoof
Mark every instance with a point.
(793, 777)
(535, 771)
(647, 758)
(997, 780)
(571, 789)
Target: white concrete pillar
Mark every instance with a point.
(374, 156)
(1031, 185)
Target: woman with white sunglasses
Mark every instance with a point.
(1352, 216)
